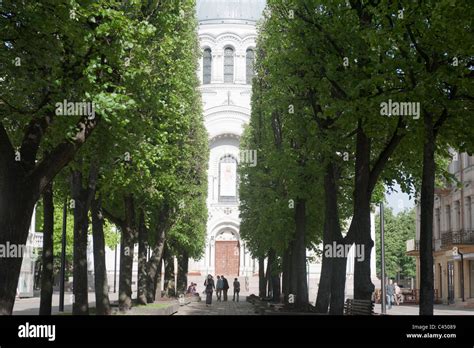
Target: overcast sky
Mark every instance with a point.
(399, 201)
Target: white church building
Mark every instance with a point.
(227, 35)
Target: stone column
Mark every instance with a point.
(212, 256)
(239, 60)
(242, 258)
(217, 66)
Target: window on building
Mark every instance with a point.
(448, 218)
(227, 179)
(437, 224)
(207, 66)
(470, 215)
(229, 65)
(250, 57)
(457, 215)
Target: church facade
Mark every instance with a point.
(227, 35)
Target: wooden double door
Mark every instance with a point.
(227, 258)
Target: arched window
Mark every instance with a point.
(229, 65)
(207, 66)
(228, 179)
(250, 56)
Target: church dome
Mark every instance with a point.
(241, 10)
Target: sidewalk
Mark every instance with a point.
(30, 306)
(218, 308)
(413, 310)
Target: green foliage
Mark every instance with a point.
(323, 70)
(136, 61)
(398, 229)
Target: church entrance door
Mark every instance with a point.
(227, 258)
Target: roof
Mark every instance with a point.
(247, 10)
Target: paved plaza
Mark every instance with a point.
(217, 308)
(438, 310)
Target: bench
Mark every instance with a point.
(358, 307)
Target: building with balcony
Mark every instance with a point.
(453, 235)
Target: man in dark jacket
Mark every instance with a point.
(209, 284)
(236, 289)
(225, 288)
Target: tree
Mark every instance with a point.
(398, 229)
(53, 52)
(47, 274)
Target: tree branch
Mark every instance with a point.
(418, 48)
(386, 153)
(62, 154)
(112, 218)
(439, 123)
(32, 139)
(7, 152)
(326, 35)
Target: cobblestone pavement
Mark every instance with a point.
(217, 308)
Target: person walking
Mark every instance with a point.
(236, 289)
(219, 286)
(390, 291)
(225, 287)
(398, 294)
(209, 284)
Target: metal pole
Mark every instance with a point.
(382, 258)
(115, 270)
(307, 276)
(462, 275)
(63, 259)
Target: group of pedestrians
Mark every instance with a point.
(221, 287)
(393, 293)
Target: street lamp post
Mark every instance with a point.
(115, 270)
(63, 259)
(382, 259)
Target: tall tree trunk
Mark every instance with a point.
(16, 208)
(262, 286)
(300, 246)
(154, 264)
(22, 182)
(47, 256)
(100, 270)
(426, 219)
(142, 254)
(273, 275)
(182, 279)
(157, 292)
(276, 286)
(338, 265)
(338, 285)
(286, 265)
(293, 269)
(126, 254)
(363, 287)
(324, 289)
(154, 271)
(169, 284)
(81, 224)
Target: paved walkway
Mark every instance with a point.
(217, 308)
(414, 310)
(30, 306)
